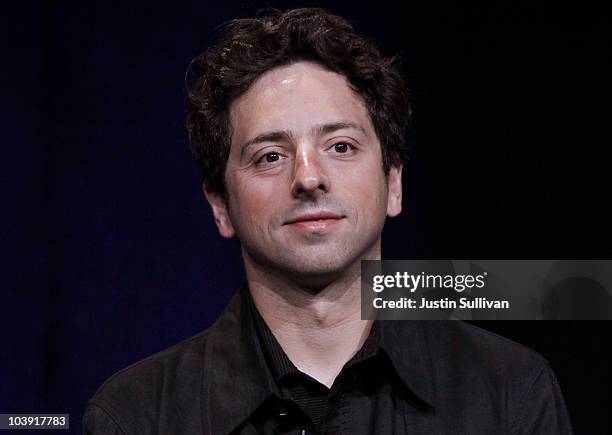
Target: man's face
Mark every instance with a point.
(306, 192)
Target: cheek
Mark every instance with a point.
(252, 205)
(377, 201)
(368, 196)
(379, 207)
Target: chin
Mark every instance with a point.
(315, 270)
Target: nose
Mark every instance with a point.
(309, 176)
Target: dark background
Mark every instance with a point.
(109, 251)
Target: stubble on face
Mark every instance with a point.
(301, 169)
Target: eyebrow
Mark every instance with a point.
(320, 130)
(316, 131)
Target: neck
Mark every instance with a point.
(318, 330)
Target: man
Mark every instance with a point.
(298, 123)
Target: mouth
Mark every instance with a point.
(314, 217)
(314, 222)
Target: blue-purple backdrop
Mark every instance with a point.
(109, 252)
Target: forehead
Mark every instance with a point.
(296, 97)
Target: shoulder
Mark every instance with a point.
(137, 395)
(455, 344)
(499, 376)
(491, 381)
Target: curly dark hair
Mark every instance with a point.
(251, 47)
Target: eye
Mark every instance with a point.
(343, 147)
(269, 157)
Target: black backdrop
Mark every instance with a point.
(109, 252)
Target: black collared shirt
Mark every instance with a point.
(417, 377)
(311, 406)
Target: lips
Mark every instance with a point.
(314, 217)
(319, 223)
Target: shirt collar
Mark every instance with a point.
(405, 342)
(278, 361)
(237, 378)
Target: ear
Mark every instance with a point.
(394, 184)
(219, 208)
